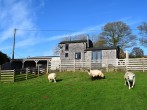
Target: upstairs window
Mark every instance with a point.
(78, 55)
(66, 54)
(66, 47)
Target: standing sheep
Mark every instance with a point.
(52, 77)
(96, 74)
(129, 79)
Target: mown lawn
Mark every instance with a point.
(75, 91)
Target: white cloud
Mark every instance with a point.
(17, 14)
(14, 14)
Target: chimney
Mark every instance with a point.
(87, 41)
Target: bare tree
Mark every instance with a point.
(80, 37)
(56, 50)
(99, 41)
(118, 34)
(143, 32)
(68, 38)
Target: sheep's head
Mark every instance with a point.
(102, 75)
(88, 72)
(131, 77)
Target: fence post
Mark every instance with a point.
(60, 65)
(143, 63)
(26, 73)
(126, 63)
(47, 66)
(74, 65)
(38, 70)
(14, 76)
(90, 64)
(106, 62)
(0, 72)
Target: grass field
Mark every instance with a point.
(75, 91)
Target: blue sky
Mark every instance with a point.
(79, 16)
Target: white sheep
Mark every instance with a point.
(96, 74)
(52, 77)
(129, 79)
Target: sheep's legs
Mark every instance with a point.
(125, 82)
(129, 84)
(54, 80)
(133, 83)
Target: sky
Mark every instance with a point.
(42, 24)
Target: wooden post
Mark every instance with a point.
(90, 65)
(0, 72)
(23, 61)
(143, 63)
(14, 76)
(36, 61)
(47, 67)
(126, 63)
(38, 71)
(60, 66)
(74, 65)
(107, 65)
(26, 73)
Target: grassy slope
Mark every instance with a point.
(75, 91)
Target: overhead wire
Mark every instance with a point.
(59, 30)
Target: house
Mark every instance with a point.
(83, 50)
(70, 50)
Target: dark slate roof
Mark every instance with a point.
(77, 41)
(102, 48)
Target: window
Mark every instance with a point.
(78, 55)
(94, 55)
(66, 54)
(97, 55)
(66, 46)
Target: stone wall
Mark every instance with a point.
(108, 54)
(88, 55)
(73, 48)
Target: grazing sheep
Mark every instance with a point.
(129, 79)
(52, 77)
(96, 74)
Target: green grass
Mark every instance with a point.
(75, 91)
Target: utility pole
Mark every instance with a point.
(13, 44)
